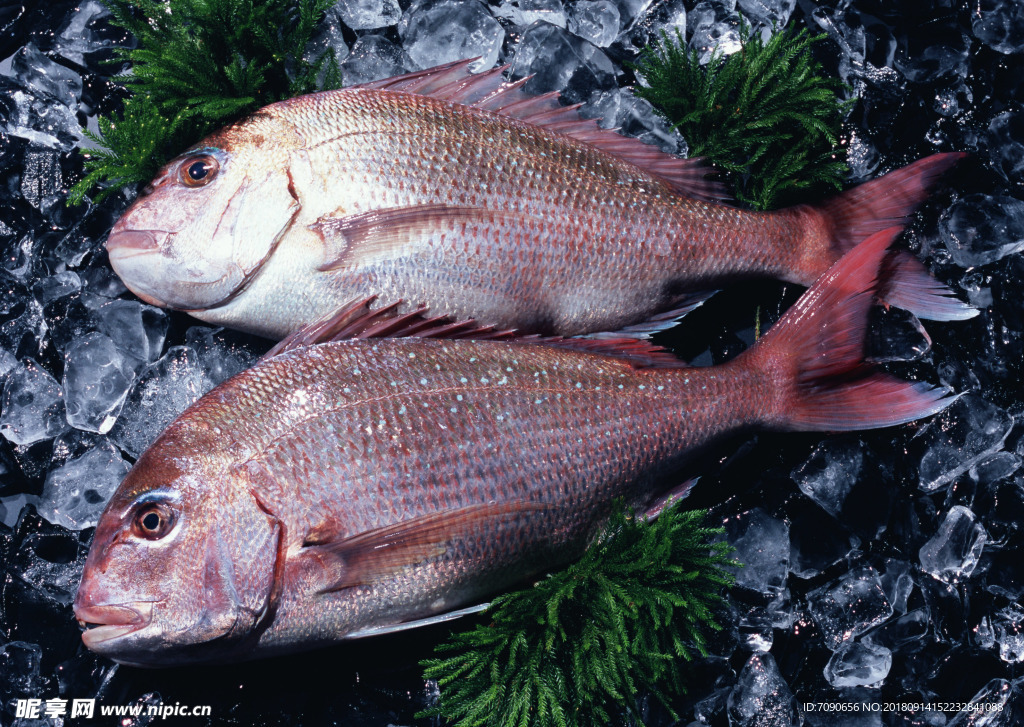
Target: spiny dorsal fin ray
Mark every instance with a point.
(491, 92)
(358, 320)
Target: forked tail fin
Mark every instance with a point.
(815, 354)
(882, 203)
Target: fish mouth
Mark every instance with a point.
(112, 621)
(128, 243)
(124, 248)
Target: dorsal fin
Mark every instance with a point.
(490, 91)
(357, 320)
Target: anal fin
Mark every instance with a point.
(683, 306)
(418, 623)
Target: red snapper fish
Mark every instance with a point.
(463, 193)
(357, 487)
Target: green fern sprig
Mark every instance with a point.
(577, 648)
(765, 113)
(198, 65)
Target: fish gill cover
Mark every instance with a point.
(880, 568)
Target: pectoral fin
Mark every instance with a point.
(353, 239)
(370, 556)
(384, 234)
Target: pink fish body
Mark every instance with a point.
(339, 489)
(462, 193)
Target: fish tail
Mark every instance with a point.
(845, 220)
(814, 356)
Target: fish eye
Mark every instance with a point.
(153, 521)
(199, 170)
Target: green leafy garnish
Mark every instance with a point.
(765, 113)
(577, 648)
(199, 65)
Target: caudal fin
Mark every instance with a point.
(816, 354)
(886, 202)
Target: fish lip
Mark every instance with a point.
(129, 243)
(112, 621)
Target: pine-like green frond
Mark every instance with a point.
(579, 647)
(198, 65)
(765, 113)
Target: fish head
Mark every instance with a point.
(181, 570)
(204, 227)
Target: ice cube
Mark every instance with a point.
(990, 707)
(905, 634)
(958, 438)
(43, 570)
(1008, 630)
(980, 228)
(163, 391)
(97, 378)
(770, 13)
(897, 583)
(137, 330)
(76, 492)
(663, 19)
(954, 551)
(995, 467)
(329, 36)
(522, 13)
(222, 354)
(20, 664)
(951, 101)
(33, 405)
(939, 60)
(369, 14)
(596, 21)
(761, 544)
(715, 28)
(761, 696)
(755, 629)
(632, 116)
(87, 34)
(103, 282)
(42, 183)
(18, 255)
(896, 335)
(7, 362)
(830, 473)
(1005, 566)
(557, 60)
(372, 58)
(632, 11)
(25, 334)
(816, 542)
(450, 30)
(999, 24)
(850, 606)
(56, 287)
(45, 78)
(1005, 143)
(857, 664)
(43, 108)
